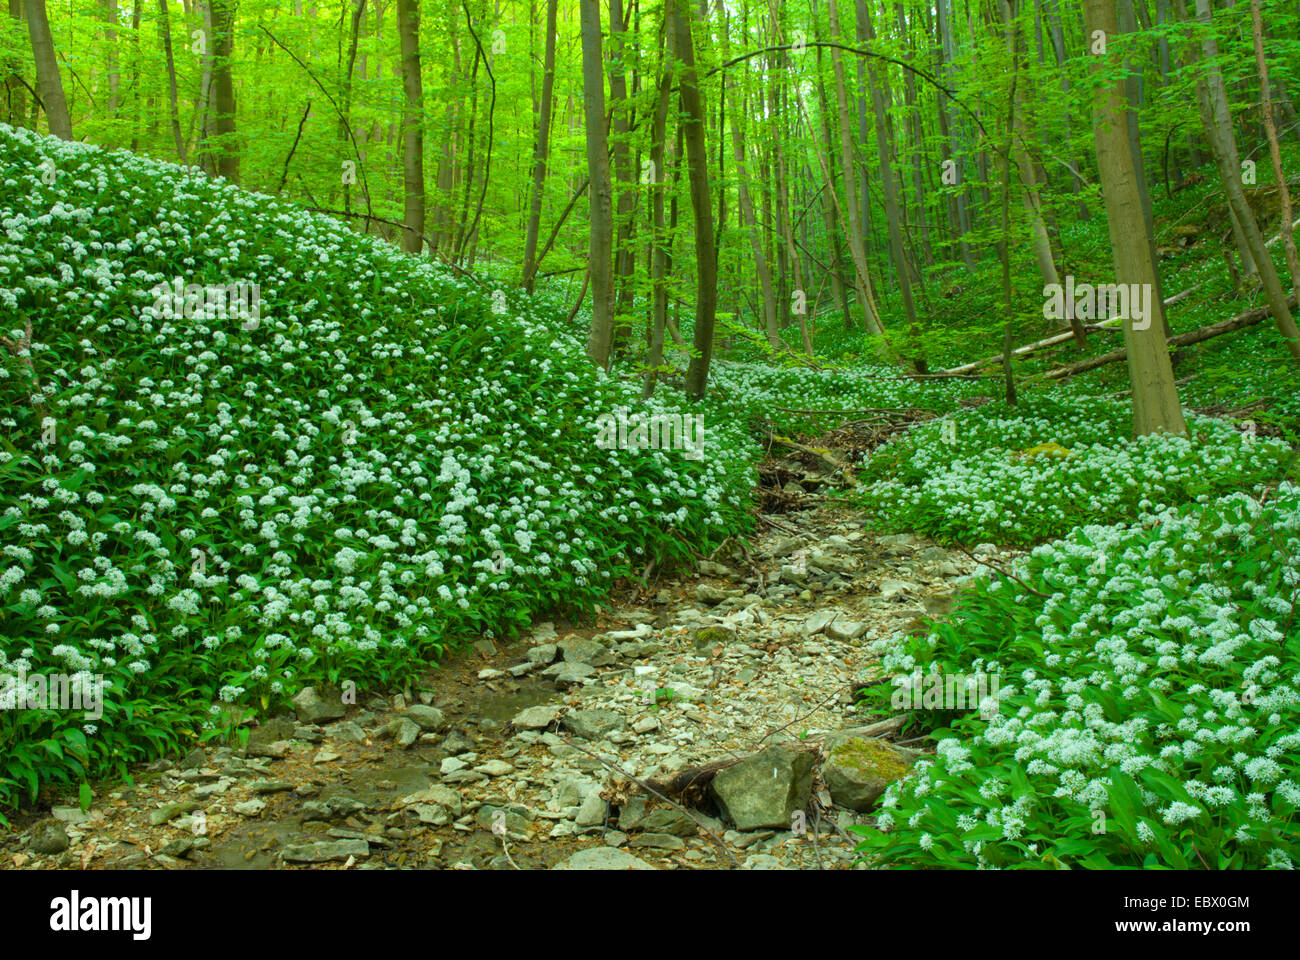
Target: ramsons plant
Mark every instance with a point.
(206, 509)
(1034, 472)
(1149, 705)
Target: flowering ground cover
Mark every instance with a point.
(1149, 704)
(1033, 472)
(216, 506)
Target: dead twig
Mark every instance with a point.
(645, 786)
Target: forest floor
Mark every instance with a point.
(548, 750)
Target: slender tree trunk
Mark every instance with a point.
(1274, 152)
(866, 297)
(15, 108)
(345, 95)
(541, 149)
(600, 193)
(223, 85)
(660, 240)
(49, 87)
(624, 178)
(408, 31)
(109, 14)
(749, 224)
(1212, 98)
(880, 96)
(706, 296)
(1155, 398)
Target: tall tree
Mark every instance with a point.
(223, 40)
(1155, 397)
(540, 149)
(600, 251)
(408, 31)
(706, 263)
(49, 86)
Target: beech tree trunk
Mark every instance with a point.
(600, 194)
(706, 264)
(408, 31)
(1155, 398)
(540, 150)
(49, 87)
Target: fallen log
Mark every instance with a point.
(1110, 324)
(1242, 320)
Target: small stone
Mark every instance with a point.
(171, 811)
(495, 768)
(428, 718)
(180, 847)
(709, 637)
(594, 724)
(592, 811)
(48, 837)
(646, 725)
(591, 652)
(270, 786)
(536, 718)
(845, 630)
(404, 731)
(707, 593)
(250, 808)
(325, 756)
(657, 841)
(451, 765)
(545, 654)
(349, 731)
(69, 814)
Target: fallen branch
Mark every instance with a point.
(1104, 325)
(647, 787)
(1242, 320)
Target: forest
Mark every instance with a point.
(468, 435)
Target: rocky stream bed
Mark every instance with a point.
(703, 723)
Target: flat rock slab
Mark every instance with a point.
(536, 718)
(603, 858)
(323, 851)
(594, 724)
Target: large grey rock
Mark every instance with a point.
(594, 724)
(322, 851)
(603, 858)
(858, 769)
(318, 706)
(766, 789)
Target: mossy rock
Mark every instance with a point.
(1053, 450)
(858, 769)
(707, 637)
